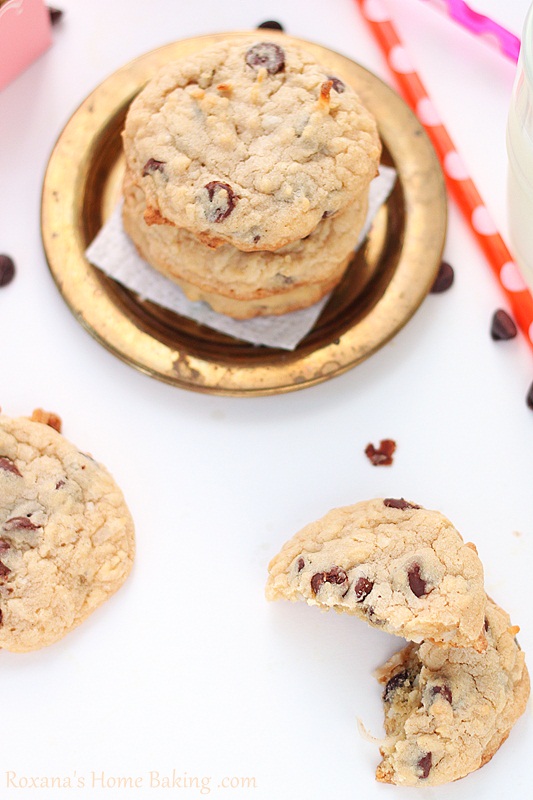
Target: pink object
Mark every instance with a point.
(480, 25)
(25, 33)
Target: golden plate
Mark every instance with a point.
(383, 287)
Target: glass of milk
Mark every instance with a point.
(520, 152)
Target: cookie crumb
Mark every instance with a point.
(47, 418)
(381, 456)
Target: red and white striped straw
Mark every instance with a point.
(458, 179)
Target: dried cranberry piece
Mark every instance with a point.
(1, 618)
(7, 270)
(152, 166)
(392, 502)
(271, 24)
(268, 55)
(444, 278)
(4, 546)
(381, 456)
(444, 691)
(225, 199)
(502, 327)
(4, 571)
(424, 765)
(301, 564)
(362, 589)
(416, 582)
(8, 465)
(19, 524)
(486, 625)
(338, 85)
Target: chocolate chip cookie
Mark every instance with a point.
(399, 567)
(66, 535)
(250, 143)
(448, 710)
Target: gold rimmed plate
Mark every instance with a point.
(382, 288)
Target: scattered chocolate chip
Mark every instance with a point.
(486, 626)
(301, 564)
(337, 84)
(256, 238)
(327, 215)
(362, 589)
(224, 202)
(424, 765)
(4, 546)
(416, 582)
(272, 25)
(268, 55)
(55, 14)
(400, 679)
(19, 524)
(392, 502)
(444, 691)
(336, 575)
(7, 465)
(59, 484)
(7, 270)
(381, 456)
(502, 327)
(152, 166)
(444, 278)
(529, 397)
(4, 571)
(1, 618)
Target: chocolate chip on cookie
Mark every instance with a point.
(152, 166)
(268, 55)
(222, 201)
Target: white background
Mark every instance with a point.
(188, 667)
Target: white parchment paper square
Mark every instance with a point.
(113, 252)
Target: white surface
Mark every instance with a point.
(187, 667)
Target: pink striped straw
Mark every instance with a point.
(480, 25)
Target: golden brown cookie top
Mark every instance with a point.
(250, 142)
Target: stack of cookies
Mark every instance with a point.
(248, 169)
(452, 695)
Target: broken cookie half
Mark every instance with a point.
(448, 710)
(392, 563)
